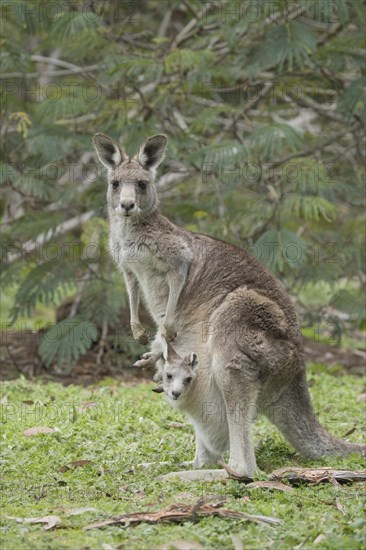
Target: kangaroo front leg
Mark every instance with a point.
(240, 390)
(138, 330)
(176, 282)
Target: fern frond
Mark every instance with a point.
(308, 207)
(65, 341)
(205, 120)
(42, 284)
(182, 59)
(277, 248)
(221, 153)
(351, 302)
(270, 140)
(103, 301)
(308, 176)
(284, 46)
(353, 100)
(72, 23)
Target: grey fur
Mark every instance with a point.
(218, 300)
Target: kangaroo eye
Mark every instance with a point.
(142, 185)
(188, 379)
(115, 184)
(169, 376)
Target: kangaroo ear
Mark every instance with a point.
(151, 153)
(193, 360)
(109, 153)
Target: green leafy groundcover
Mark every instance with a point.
(117, 427)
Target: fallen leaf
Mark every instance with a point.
(50, 520)
(87, 405)
(340, 507)
(107, 546)
(319, 538)
(361, 397)
(4, 400)
(270, 485)
(349, 432)
(75, 464)
(181, 545)
(237, 542)
(175, 425)
(182, 512)
(38, 430)
(28, 402)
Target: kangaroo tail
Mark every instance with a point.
(293, 414)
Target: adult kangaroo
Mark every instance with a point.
(217, 300)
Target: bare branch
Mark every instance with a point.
(43, 238)
(317, 147)
(52, 73)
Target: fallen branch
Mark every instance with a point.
(318, 147)
(317, 475)
(61, 72)
(292, 475)
(50, 521)
(178, 513)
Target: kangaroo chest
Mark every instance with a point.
(205, 407)
(133, 254)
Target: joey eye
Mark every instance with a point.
(188, 379)
(169, 376)
(115, 184)
(142, 185)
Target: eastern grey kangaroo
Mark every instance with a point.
(218, 300)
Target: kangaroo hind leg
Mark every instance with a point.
(240, 387)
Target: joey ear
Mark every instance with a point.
(109, 153)
(151, 153)
(193, 360)
(165, 348)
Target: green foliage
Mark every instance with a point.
(286, 46)
(264, 107)
(42, 283)
(267, 142)
(66, 340)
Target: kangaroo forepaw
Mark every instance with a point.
(146, 360)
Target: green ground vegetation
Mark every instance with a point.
(118, 427)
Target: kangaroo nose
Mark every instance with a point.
(176, 393)
(127, 205)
